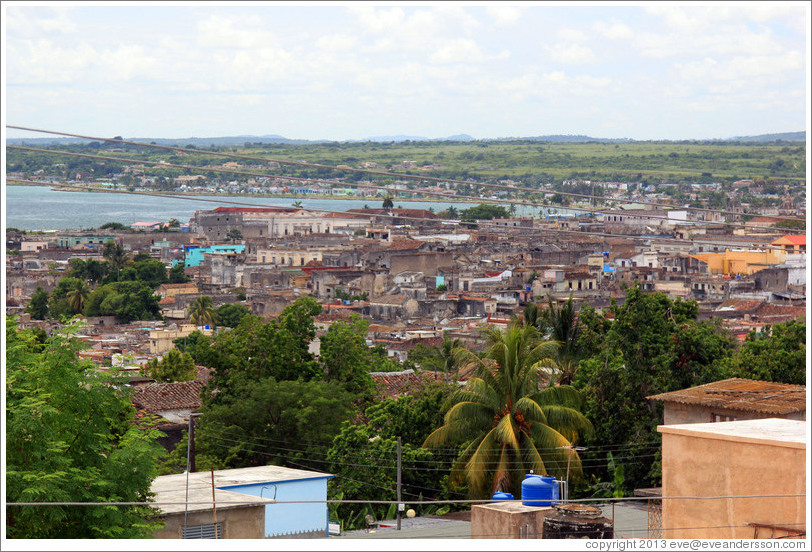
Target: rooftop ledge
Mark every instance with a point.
(767, 431)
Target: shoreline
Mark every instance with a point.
(56, 188)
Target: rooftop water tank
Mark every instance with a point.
(539, 490)
(502, 496)
(577, 521)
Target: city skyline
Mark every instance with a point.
(352, 71)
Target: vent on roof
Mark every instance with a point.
(205, 531)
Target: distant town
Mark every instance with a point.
(668, 301)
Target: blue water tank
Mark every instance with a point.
(502, 496)
(538, 490)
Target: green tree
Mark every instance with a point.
(506, 424)
(177, 274)
(778, 354)
(230, 314)
(483, 212)
(234, 234)
(387, 202)
(77, 296)
(59, 305)
(201, 311)
(561, 324)
(150, 271)
(346, 358)
(113, 225)
(364, 451)
(71, 437)
(117, 256)
(172, 366)
(38, 306)
(653, 344)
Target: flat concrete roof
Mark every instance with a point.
(768, 431)
(171, 490)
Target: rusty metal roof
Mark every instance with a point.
(742, 394)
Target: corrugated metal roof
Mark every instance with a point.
(742, 394)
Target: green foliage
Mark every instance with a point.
(442, 287)
(201, 311)
(230, 314)
(59, 304)
(234, 234)
(506, 424)
(653, 345)
(117, 256)
(150, 271)
(127, 301)
(345, 296)
(173, 366)
(38, 306)
(365, 452)
(177, 275)
(70, 436)
(113, 226)
(387, 202)
(346, 358)
(798, 224)
(484, 212)
(256, 350)
(776, 354)
(91, 270)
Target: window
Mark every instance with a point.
(722, 418)
(205, 531)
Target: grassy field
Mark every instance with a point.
(525, 161)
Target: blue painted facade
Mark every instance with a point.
(290, 519)
(194, 255)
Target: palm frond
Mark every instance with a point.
(507, 432)
(564, 395)
(567, 421)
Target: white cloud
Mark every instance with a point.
(571, 54)
(462, 50)
(614, 30)
(504, 15)
(218, 31)
(571, 35)
(337, 43)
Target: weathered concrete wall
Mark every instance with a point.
(675, 413)
(237, 523)
(508, 520)
(709, 465)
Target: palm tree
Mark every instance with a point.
(561, 323)
(387, 202)
(297, 204)
(77, 296)
(452, 212)
(447, 355)
(506, 424)
(115, 253)
(201, 311)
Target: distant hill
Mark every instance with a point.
(566, 138)
(785, 136)
(241, 140)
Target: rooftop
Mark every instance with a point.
(742, 394)
(775, 431)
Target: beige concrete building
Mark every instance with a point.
(160, 341)
(748, 478)
(234, 515)
(733, 399)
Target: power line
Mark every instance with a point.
(356, 170)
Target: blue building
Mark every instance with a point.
(195, 255)
(243, 503)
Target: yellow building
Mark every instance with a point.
(741, 262)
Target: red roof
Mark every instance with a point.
(796, 239)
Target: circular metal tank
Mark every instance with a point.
(577, 521)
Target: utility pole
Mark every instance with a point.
(191, 443)
(400, 506)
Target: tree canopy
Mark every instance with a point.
(71, 436)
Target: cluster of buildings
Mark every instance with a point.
(419, 279)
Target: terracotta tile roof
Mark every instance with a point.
(158, 397)
(742, 394)
(404, 244)
(394, 384)
(778, 313)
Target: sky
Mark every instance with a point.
(351, 71)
